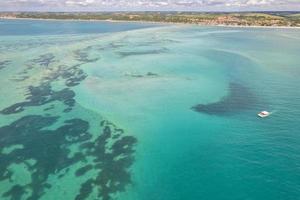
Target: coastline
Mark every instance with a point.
(154, 22)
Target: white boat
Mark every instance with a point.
(264, 114)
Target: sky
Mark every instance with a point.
(150, 5)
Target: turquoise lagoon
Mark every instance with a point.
(103, 110)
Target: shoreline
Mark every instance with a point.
(153, 22)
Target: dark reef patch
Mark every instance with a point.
(23, 75)
(239, 98)
(145, 52)
(148, 74)
(115, 45)
(20, 78)
(49, 108)
(113, 161)
(73, 75)
(82, 55)
(85, 190)
(151, 74)
(107, 47)
(15, 193)
(47, 148)
(83, 170)
(45, 151)
(4, 64)
(44, 60)
(50, 151)
(42, 95)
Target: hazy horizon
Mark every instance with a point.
(164, 11)
(148, 5)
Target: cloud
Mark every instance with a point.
(69, 5)
(79, 3)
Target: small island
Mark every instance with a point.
(273, 19)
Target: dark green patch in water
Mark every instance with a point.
(4, 64)
(46, 151)
(239, 98)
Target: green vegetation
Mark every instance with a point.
(237, 19)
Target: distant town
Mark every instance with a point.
(286, 19)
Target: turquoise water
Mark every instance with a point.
(93, 110)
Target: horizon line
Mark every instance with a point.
(124, 11)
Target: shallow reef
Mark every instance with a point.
(54, 141)
(46, 152)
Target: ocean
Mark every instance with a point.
(142, 111)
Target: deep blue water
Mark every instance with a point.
(60, 27)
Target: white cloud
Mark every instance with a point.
(259, 2)
(80, 3)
